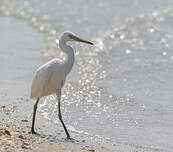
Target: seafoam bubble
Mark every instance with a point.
(42, 28)
(128, 51)
(155, 14)
(122, 36)
(57, 41)
(112, 36)
(152, 30)
(164, 53)
(99, 44)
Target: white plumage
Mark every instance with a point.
(47, 79)
(50, 77)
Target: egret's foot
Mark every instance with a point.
(69, 138)
(33, 132)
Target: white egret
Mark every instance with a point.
(50, 77)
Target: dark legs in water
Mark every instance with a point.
(59, 114)
(33, 118)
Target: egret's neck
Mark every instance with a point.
(70, 54)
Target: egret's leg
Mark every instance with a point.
(59, 113)
(33, 118)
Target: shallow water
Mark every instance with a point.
(19, 56)
(119, 93)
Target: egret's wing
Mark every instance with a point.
(47, 79)
(40, 81)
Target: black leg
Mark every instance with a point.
(33, 118)
(60, 116)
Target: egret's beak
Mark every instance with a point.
(82, 40)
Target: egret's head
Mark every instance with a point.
(69, 36)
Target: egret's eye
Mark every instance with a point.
(71, 36)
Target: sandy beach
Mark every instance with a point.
(15, 139)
